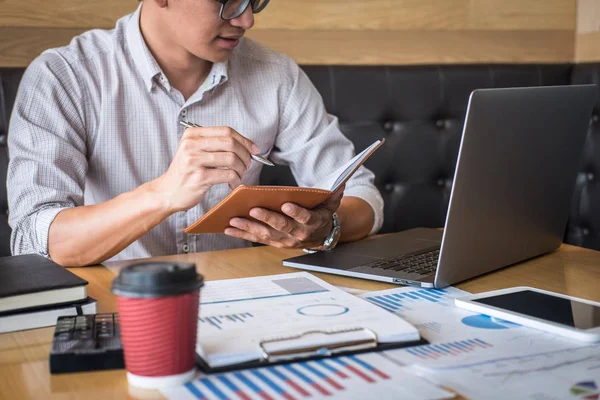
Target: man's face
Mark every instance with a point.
(197, 27)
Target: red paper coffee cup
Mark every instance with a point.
(158, 312)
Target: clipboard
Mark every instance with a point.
(271, 356)
(268, 320)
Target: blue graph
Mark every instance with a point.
(219, 320)
(435, 351)
(396, 302)
(485, 322)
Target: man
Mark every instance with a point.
(101, 169)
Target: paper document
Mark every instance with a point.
(238, 315)
(334, 179)
(560, 374)
(459, 337)
(364, 376)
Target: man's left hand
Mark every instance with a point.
(294, 227)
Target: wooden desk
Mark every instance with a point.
(24, 355)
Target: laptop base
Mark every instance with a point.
(371, 258)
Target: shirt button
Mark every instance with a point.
(186, 248)
(183, 112)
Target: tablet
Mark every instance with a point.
(552, 312)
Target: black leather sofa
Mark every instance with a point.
(420, 111)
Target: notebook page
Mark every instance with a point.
(334, 180)
(237, 315)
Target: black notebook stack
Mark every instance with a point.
(35, 291)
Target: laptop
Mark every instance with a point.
(510, 199)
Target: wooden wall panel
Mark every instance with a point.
(421, 47)
(587, 42)
(338, 31)
(420, 15)
(536, 15)
(63, 13)
(18, 46)
(588, 47)
(323, 14)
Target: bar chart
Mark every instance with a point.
(400, 301)
(218, 321)
(290, 381)
(357, 376)
(448, 349)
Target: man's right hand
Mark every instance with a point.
(205, 157)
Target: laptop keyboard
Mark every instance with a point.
(420, 263)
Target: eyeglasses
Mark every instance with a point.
(231, 9)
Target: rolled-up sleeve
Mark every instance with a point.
(311, 143)
(47, 150)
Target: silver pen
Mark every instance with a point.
(257, 157)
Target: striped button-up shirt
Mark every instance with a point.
(98, 118)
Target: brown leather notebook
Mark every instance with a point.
(241, 200)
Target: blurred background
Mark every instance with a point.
(399, 69)
(375, 32)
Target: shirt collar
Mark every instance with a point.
(142, 57)
(149, 68)
(218, 74)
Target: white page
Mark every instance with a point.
(364, 376)
(236, 315)
(334, 179)
(459, 337)
(560, 374)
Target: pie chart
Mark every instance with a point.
(486, 322)
(587, 390)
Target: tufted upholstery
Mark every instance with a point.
(420, 111)
(584, 221)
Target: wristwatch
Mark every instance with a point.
(332, 239)
(334, 236)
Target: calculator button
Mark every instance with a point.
(63, 336)
(65, 324)
(82, 344)
(82, 335)
(62, 325)
(103, 318)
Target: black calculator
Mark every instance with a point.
(86, 343)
